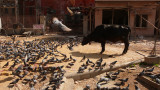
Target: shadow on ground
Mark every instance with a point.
(6, 79)
(94, 55)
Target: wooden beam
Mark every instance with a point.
(16, 10)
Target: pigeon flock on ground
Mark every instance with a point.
(32, 62)
(24, 58)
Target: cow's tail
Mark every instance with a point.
(129, 33)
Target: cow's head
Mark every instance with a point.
(86, 40)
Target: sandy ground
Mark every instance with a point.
(91, 52)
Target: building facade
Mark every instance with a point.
(29, 12)
(140, 15)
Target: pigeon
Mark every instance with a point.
(35, 76)
(43, 79)
(158, 75)
(126, 88)
(32, 87)
(115, 88)
(113, 63)
(93, 65)
(6, 65)
(103, 65)
(27, 79)
(136, 87)
(34, 81)
(83, 65)
(98, 87)
(88, 61)
(157, 80)
(46, 57)
(141, 73)
(74, 60)
(87, 87)
(43, 72)
(153, 76)
(47, 88)
(124, 80)
(102, 79)
(116, 73)
(15, 81)
(71, 57)
(84, 57)
(149, 70)
(70, 47)
(71, 64)
(113, 77)
(81, 69)
(100, 60)
(68, 66)
(89, 69)
(19, 68)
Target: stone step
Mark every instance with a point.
(67, 85)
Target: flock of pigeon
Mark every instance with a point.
(91, 65)
(37, 58)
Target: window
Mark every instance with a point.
(141, 20)
(13, 11)
(31, 10)
(6, 10)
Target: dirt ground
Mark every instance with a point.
(91, 52)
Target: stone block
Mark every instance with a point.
(152, 60)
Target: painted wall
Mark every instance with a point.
(60, 5)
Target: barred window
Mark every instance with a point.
(141, 20)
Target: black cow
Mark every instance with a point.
(112, 33)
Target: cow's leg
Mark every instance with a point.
(103, 47)
(126, 43)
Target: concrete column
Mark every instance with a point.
(85, 25)
(98, 17)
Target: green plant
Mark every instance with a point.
(156, 65)
(133, 65)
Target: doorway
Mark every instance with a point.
(115, 16)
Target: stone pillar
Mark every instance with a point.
(98, 17)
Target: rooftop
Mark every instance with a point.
(127, 0)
